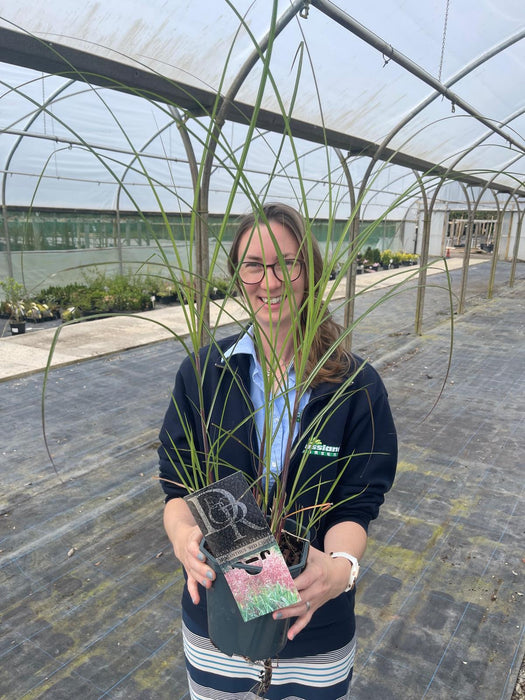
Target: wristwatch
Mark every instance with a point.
(354, 571)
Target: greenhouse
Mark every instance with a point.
(133, 138)
(112, 119)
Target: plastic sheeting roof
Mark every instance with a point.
(434, 83)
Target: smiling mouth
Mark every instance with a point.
(271, 300)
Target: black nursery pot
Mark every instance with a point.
(17, 327)
(258, 639)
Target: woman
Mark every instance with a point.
(272, 258)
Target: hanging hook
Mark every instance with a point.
(387, 59)
(305, 9)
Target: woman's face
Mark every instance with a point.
(275, 303)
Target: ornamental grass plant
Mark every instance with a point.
(197, 257)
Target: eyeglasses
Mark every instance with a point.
(285, 271)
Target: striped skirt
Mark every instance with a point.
(214, 676)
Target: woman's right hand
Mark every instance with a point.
(185, 536)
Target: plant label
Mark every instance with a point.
(238, 536)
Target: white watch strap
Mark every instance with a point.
(354, 571)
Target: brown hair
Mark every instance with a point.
(338, 364)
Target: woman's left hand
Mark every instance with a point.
(323, 578)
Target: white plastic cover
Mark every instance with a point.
(320, 72)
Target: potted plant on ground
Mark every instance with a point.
(14, 293)
(396, 260)
(220, 287)
(386, 259)
(37, 312)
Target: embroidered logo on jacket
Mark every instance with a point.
(316, 447)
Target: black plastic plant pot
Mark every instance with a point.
(258, 639)
(17, 327)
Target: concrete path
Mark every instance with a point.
(90, 587)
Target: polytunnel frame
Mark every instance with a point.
(10, 156)
(70, 141)
(439, 89)
(129, 165)
(471, 214)
(26, 50)
(228, 109)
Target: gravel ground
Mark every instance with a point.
(519, 690)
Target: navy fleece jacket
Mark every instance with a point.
(357, 436)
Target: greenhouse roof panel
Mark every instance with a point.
(369, 76)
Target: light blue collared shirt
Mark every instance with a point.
(280, 407)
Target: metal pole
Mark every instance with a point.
(425, 244)
(352, 270)
(495, 251)
(10, 272)
(516, 249)
(466, 258)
